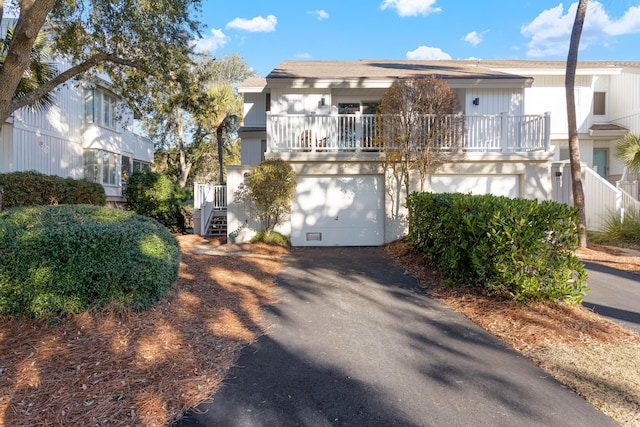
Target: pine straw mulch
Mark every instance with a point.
(119, 368)
(594, 356)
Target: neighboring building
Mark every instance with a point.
(86, 134)
(319, 115)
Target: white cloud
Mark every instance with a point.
(211, 43)
(411, 7)
(474, 38)
(303, 56)
(320, 14)
(255, 25)
(550, 31)
(427, 53)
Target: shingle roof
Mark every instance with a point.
(448, 69)
(382, 70)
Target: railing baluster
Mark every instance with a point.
(331, 132)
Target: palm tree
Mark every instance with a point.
(628, 149)
(219, 114)
(40, 69)
(574, 144)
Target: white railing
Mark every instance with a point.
(602, 199)
(630, 187)
(210, 194)
(629, 203)
(359, 132)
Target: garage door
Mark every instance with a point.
(500, 185)
(338, 211)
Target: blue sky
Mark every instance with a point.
(267, 32)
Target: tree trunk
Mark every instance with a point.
(185, 166)
(219, 131)
(33, 15)
(574, 143)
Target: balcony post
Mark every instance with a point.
(547, 130)
(504, 132)
(270, 130)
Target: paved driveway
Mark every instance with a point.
(354, 342)
(614, 294)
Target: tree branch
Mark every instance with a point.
(66, 75)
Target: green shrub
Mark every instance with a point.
(271, 238)
(272, 185)
(154, 195)
(514, 247)
(67, 258)
(34, 189)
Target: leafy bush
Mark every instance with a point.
(271, 238)
(272, 186)
(33, 189)
(154, 195)
(514, 247)
(67, 258)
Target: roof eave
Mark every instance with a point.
(364, 83)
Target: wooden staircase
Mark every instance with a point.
(217, 224)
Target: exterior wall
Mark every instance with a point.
(533, 172)
(254, 109)
(300, 101)
(46, 153)
(6, 148)
(495, 101)
(548, 94)
(252, 150)
(624, 110)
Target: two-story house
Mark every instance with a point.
(319, 116)
(86, 134)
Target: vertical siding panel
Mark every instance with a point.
(6, 148)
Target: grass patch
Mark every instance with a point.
(622, 233)
(272, 238)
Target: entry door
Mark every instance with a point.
(600, 162)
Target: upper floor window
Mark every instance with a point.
(100, 107)
(599, 103)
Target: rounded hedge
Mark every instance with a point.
(65, 259)
(33, 188)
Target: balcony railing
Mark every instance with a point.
(502, 133)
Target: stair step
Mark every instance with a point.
(217, 226)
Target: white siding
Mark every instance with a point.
(300, 101)
(6, 148)
(252, 151)
(46, 154)
(254, 109)
(495, 101)
(624, 100)
(548, 94)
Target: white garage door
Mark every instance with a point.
(338, 211)
(499, 185)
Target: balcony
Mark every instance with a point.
(318, 133)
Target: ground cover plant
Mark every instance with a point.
(69, 258)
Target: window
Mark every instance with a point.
(101, 166)
(100, 107)
(131, 165)
(599, 103)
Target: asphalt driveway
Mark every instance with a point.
(353, 341)
(614, 294)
